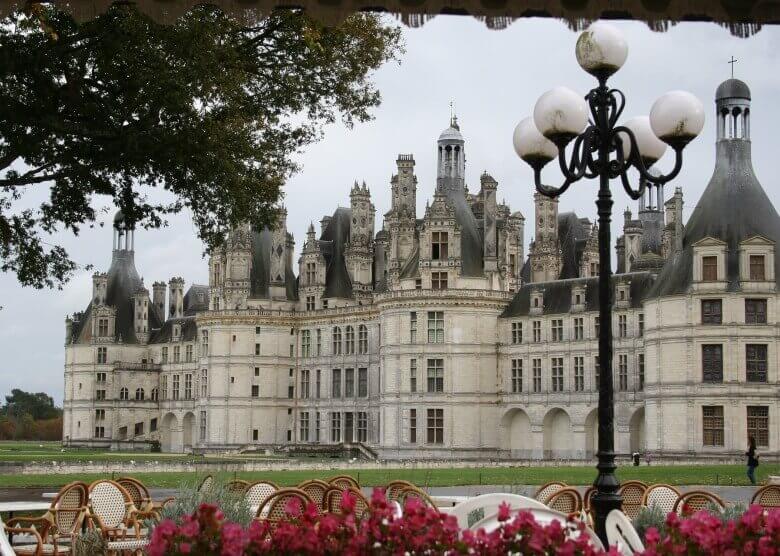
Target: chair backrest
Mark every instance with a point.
(258, 492)
(489, 504)
(68, 507)
(566, 500)
(661, 495)
(137, 491)
(697, 500)
(344, 482)
(410, 492)
(632, 493)
(545, 491)
(5, 545)
(316, 491)
(394, 488)
(110, 502)
(587, 498)
(334, 498)
(767, 496)
(621, 533)
(206, 484)
(274, 508)
(237, 486)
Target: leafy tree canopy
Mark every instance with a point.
(38, 405)
(210, 110)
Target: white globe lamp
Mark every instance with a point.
(560, 115)
(530, 145)
(601, 50)
(676, 118)
(650, 147)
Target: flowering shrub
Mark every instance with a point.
(755, 532)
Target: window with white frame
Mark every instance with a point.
(556, 328)
(202, 426)
(579, 373)
(176, 354)
(556, 372)
(335, 426)
(140, 394)
(165, 355)
(439, 280)
(623, 372)
(305, 375)
(336, 340)
(537, 330)
(435, 327)
(517, 332)
(349, 383)
(579, 328)
(536, 368)
(362, 339)
(435, 375)
(305, 343)
(435, 426)
(102, 355)
(362, 382)
(350, 341)
(204, 342)
(362, 426)
(622, 326)
(413, 327)
(188, 353)
(175, 387)
(304, 426)
(517, 376)
(204, 383)
(413, 375)
(164, 386)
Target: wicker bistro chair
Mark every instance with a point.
(206, 484)
(394, 488)
(60, 523)
(661, 495)
(697, 500)
(274, 509)
(111, 510)
(545, 491)
(316, 490)
(344, 482)
(334, 498)
(258, 492)
(566, 500)
(632, 492)
(767, 497)
(410, 492)
(237, 486)
(140, 495)
(37, 549)
(622, 535)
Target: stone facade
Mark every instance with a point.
(430, 339)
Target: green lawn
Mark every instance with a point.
(676, 475)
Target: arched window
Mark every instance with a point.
(155, 394)
(336, 340)
(350, 341)
(123, 394)
(139, 394)
(363, 339)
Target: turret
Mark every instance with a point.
(451, 167)
(359, 253)
(279, 256)
(545, 252)
(176, 298)
(99, 288)
(490, 214)
(404, 186)
(158, 298)
(141, 314)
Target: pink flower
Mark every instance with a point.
(503, 511)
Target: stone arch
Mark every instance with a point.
(557, 434)
(170, 434)
(188, 431)
(592, 434)
(636, 431)
(516, 433)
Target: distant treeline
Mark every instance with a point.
(27, 416)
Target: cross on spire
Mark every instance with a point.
(732, 62)
(453, 117)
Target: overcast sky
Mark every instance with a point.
(494, 79)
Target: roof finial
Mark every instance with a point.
(732, 62)
(453, 116)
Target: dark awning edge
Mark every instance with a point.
(743, 19)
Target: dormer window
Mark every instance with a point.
(102, 328)
(536, 301)
(577, 299)
(709, 268)
(311, 273)
(439, 244)
(176, 331)
(757, 267)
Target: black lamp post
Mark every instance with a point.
(605, 150)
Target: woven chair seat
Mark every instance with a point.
(662, 496)
(633, 493)
(767, 497)
(566, 500)
(45, 549)
(546, 491)
(127, 544)
(696, 501)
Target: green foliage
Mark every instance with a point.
(653, 516)
(189, 498)
(114, 109)
(30, 416)
(731, 512)
(37, 406)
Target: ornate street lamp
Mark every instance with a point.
(605, 150)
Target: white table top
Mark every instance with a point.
(24, 506)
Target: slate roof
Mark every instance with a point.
(732, 88)
(471, 249)
(189, 331)
(572, 237)
(196, 299)
(260, 273)
(333, 244)
(733, 208)
(557, 294)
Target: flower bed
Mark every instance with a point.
(422, 530)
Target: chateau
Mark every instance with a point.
(436, 337)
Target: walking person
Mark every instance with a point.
(752, 460)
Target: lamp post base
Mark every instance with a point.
(606, 499)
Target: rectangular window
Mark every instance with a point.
(556, 372)
(757, 271)
(100, 432)
(100, 414)
(435, 327)
(362, 383)
(305, 383)
(712, 362)
(517, 332)
(413, 375)
(102, 355)
(139, 429)
(756, 362)
(712, 425)
(413, 327)
(257, 349)
(435, 426)
(311, 274)
(641, 324)
(164, 387)
(188, 353)
(204, 383)
(362, 339)
(101, 377)
(311, 302)
(204, 342)
(153, 425)
(536, 365)
(711, 311)
(439, 280)
(305, 343)
(335, 385)
(579, 374)
(557, 330)
(537, 329)
(709, 269)
(758, 424)
(349, 383)
(102, 328)
(317, 426)
(418, 283)
(362, 426)
(640, 364)
(255, 391)
(517, 376)
(175, 387)
(623, 372)
(188, 386)
(318, 334)
(438, 246)
(335, 427)
(435, 375)
(336, 340)
(349, 347)
(255, 435)
(755, 311)
(622, 326)
(413, 426)
(579, 328)
(176, 354)
(304, 426)
(202, 426)
(290, 391)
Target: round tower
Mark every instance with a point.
(451, 169)
(732, 103)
